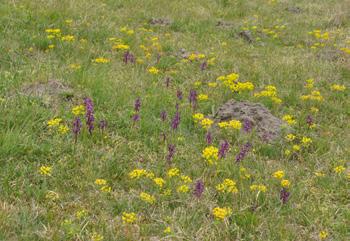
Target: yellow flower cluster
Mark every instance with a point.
(45, 170)
(314, 95)
(289, 119)
(75, 66)
(339, 169)
(222, 213)
(278, 174)
(129, 217)
(210, 153)
(78, 110)
(54, 122)
(68, 38)
(290, 137)
(101, 60)
(285, 183)
(258, 187)
(58, 125)
(227, 186)
(319, 35)
(232, 124)
(126, 30)
(231, 81)
(153, 70)
(269, 91)
(147, 197)
(243, 173)
(198, 117)
(121, 46)
(309, 83)
(138, 173)
(206, 123)
(103, 185)
(159, 181)
(194, 56)
(337, 87)
(202, 97)
(173, 172)
(182, 189)
(96, 237)
(345, 50)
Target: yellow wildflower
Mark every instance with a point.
(182, 188)
(202, 97)
(227, 186)
(210, 153)
(159, 181)
(153, 70)
(45, 170)
(285, 183)
(106, 189)
(323, 234)
(68, 38)
(96, 237)
(186, 179)
(121, 47)
(63, 129)
(278, 174)
(306, 140)
(198, 116)
(290, 137)
(167, 230)
(337, 87)
(289, 119)
(173, 172)
(258, 187)
(206, 123)
(147, 197)
(296, 147)
(222, 213)
(54, 122)
(339, 169)
(101, 60)
(100, 182)
(128, 217)
(78, 110)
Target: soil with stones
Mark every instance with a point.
(268, 127)
(50, 93)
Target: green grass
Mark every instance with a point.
(316, 203)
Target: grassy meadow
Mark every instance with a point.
(107, 128)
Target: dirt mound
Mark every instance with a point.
(50, 92)
(268, 127)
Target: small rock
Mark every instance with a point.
(224, 24)
(246, 35)
(294, 10)
(160, 21)
(268, 127)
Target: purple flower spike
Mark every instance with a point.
(76, 128)
(102, 125)
(137, 105)
(208, 138)
(193, 98)
(309, 120)
(198, 188)
(204, 65)
(224, 147)
(284, 195)
(128, 57)
(163, 115)
(247, 125)
(176, 121)
(243, 152)
(171, 152)
(136, 117)
(89, 114)
(179, 94)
